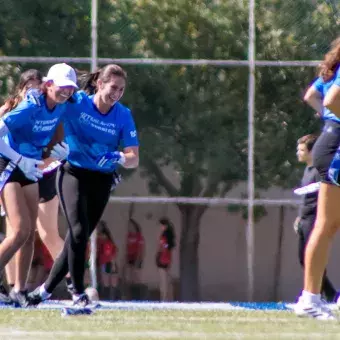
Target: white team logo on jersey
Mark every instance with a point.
(133, 133)
(84, 118)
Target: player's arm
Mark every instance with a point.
(131, 155)
(27, 165)
(13, 120)
(5, 149)
(57, 138)
(332, 99)
(313, 97)
(130, 143)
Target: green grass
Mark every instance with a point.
(168, 325)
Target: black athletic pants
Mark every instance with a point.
(305, 228)
(83, 195)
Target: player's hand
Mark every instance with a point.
(29, 166)
(111, 158)
(60, 151)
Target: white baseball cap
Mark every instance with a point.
(62, 75)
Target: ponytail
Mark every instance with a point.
(87, 82)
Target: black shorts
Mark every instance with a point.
(47, 187)
(17, 175)
(109, 268)
(135, 263)
(325, 148)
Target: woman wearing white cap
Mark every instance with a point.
(25, 132)
(47, 222)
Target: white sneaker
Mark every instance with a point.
(317, 310)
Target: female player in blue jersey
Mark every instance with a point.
(47, 221)
(26, 131)
(95, 128)
(321, 96)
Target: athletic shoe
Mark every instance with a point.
(19, 298)
(35, 297)
(81, 300)
(4, 297)
(317, 310)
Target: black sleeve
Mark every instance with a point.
(316, 176)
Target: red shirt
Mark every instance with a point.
(38, 257)
(134, 245)
(106, 251)
(48, 260)
(164, 251)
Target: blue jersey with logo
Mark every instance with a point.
(31, 126)
(91, 134)
(323, 87)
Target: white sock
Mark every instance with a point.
(310, 297)
(44, 293)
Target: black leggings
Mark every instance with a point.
(83, 195)
(305, 229)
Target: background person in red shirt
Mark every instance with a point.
(107, 263)
(164, 258)
(135, 250)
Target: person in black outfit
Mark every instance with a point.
(304, 223)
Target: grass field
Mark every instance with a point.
(163, 324)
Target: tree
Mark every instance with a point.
(187, 117)
(57, 28)
(194, 119)
(281, 115)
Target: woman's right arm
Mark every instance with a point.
(332, 99)
(5, 149)
(27, 165)
(314, 99)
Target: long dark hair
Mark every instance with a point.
(13, 101)
(331, 61)
(169, 232)
(88, 81)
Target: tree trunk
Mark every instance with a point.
(189, 265)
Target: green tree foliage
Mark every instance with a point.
(304, 32)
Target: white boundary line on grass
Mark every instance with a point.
(152, 318)
(157, 334)
(53, 304)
